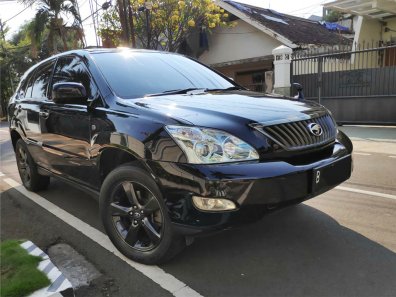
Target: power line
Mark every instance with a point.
(91, 5)
(83, 2)
(312, 5)
(309, 11)
(18, 13)
(91, 15)
(84, 40)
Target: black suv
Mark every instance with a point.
(172, 148)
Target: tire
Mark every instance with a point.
(27, 169)
(135, 216)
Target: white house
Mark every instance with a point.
(244, 52)
(374, 21)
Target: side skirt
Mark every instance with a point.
(92, 192)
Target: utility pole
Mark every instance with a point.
(132, 24)
(91, 6)
(122, 12)
(127, 26)
(148, 28)
(148, 5)
(84, 41)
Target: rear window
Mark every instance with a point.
(135, 74)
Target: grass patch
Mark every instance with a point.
(19, 273)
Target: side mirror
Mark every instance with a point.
(69, 92)
(300, 94)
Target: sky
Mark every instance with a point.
(10, 8)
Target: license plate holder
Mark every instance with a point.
(316, 178)
(331, 174)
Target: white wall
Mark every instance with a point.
(240, 42)
(370, 31)
(391, 35)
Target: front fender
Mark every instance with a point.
(140, 136)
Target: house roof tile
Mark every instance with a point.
(298, 30)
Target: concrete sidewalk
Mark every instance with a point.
(372, 139)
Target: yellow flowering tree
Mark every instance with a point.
(165, 24)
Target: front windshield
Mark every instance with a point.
(134, 74)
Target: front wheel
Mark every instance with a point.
(135, 217)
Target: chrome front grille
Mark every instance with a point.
(296, 135)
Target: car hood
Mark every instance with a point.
(218, 109)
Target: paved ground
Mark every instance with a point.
(341, 243)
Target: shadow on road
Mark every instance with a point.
(299, 251)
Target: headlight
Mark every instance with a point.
(203, 145)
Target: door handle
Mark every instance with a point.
(44, 114)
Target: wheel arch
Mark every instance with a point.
(14, 137)
(112, 157)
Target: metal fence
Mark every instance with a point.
(361, 72)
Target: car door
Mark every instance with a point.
(66, 140)
(30, 98)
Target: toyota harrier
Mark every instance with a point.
(172, 148)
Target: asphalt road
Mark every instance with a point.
(341, 243)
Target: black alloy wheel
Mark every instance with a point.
(27, 169)
(23, 165)
(135, 216)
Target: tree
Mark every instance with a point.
(164, 24)
(15, 59)
(333, 16)
(17, 55)
(49, 16)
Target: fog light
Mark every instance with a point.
(213, 204)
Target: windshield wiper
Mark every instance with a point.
(173, 92)
(185, 91)
(225, 89)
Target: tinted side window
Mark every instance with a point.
(41, 80)
(29, 86)
(20, 94)
(72, 69)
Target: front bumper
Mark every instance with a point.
(256, 187)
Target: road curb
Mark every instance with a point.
(60, 286)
